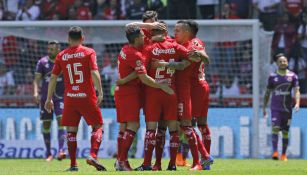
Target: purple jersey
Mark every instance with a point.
(281, 87)
(44, 67)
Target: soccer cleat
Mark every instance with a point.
(61, 155)
(73, 168)
(92, 161)
(207, 167)
(49, 158)
(156, 167)
(275, 155)
(208, 162)
(284, 157)
(171, 168)
(143, 168)
(196, 167)
(122, 166)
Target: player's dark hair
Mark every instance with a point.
(193, 26)
(150, 14)
(185, 23)
(53, 42)
(75, 33)
(277, 56)
(132, 32)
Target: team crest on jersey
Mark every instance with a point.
(289, 79)
(275, 79)
(138, 63)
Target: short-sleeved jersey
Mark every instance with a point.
(281, 87)
(76, 64)
(198, 72)
(130, 59)
(44, 67)
(168, 52)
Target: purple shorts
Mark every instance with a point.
(58, 110)
(281, 119)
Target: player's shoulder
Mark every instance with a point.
(129, 52)
(86, 49)
(291, 73)
(43, 60)
(273, 74)
(196, 42)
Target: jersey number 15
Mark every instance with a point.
(76, 72)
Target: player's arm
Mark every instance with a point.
(152, 83)
(126, 79)
(36, 82)
(51, 89)
(297, 98)
(178, 65)
(266, 98)
(201, 54)
(97, 83)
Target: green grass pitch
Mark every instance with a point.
(220, 167)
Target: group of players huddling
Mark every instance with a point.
(165, 77)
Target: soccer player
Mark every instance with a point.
(78, 65)
(280, 84)
(158, 105)
(42, 76)
(200, 90)
(131, 60)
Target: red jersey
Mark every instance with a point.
(168, 52)
(76, 64)
(130, 59)
(198, 73)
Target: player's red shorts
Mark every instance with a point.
(160, 106)
(127, 107)
(200, 99)
(72, 113)
(184, 103)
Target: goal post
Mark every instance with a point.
(238, 49)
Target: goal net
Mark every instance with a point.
(238, 50)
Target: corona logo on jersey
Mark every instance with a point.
(279, 92)
(66, 56)
(157, 51)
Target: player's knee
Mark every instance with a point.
(285, 134)
(133, 126)
(275, 129)
(46, 130)
(46, 125)
(151, 125)
(184, 123)
(72, 129)
(172, 126)
(202, 120)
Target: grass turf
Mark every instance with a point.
(220, 167)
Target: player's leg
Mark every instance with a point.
(174, 143)
(187, 129)
(160, 142)
(47, 138)
(46, 119)
(122, 128)
(285, 126)
(58, 109)
(204, 129)
(275, 120)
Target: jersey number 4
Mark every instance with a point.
(76, 72)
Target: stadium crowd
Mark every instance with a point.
(287, 19)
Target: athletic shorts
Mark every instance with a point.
(184, 104)
(58, 110)
(200, 99)
(128, 107)
(88, 110)
(281, 119)
(160, 106)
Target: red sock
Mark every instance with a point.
(201, 148)
(149, 145)
(206, 135)
(72, 147)
(174, 144)
(190, 135)
(96, 140)
(119, 143)
(160, 142)
(127, 141)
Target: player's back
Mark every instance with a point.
(130, 59)
(168, 52)
(281, 86)
(76, 64)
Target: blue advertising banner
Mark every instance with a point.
(20, 134)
